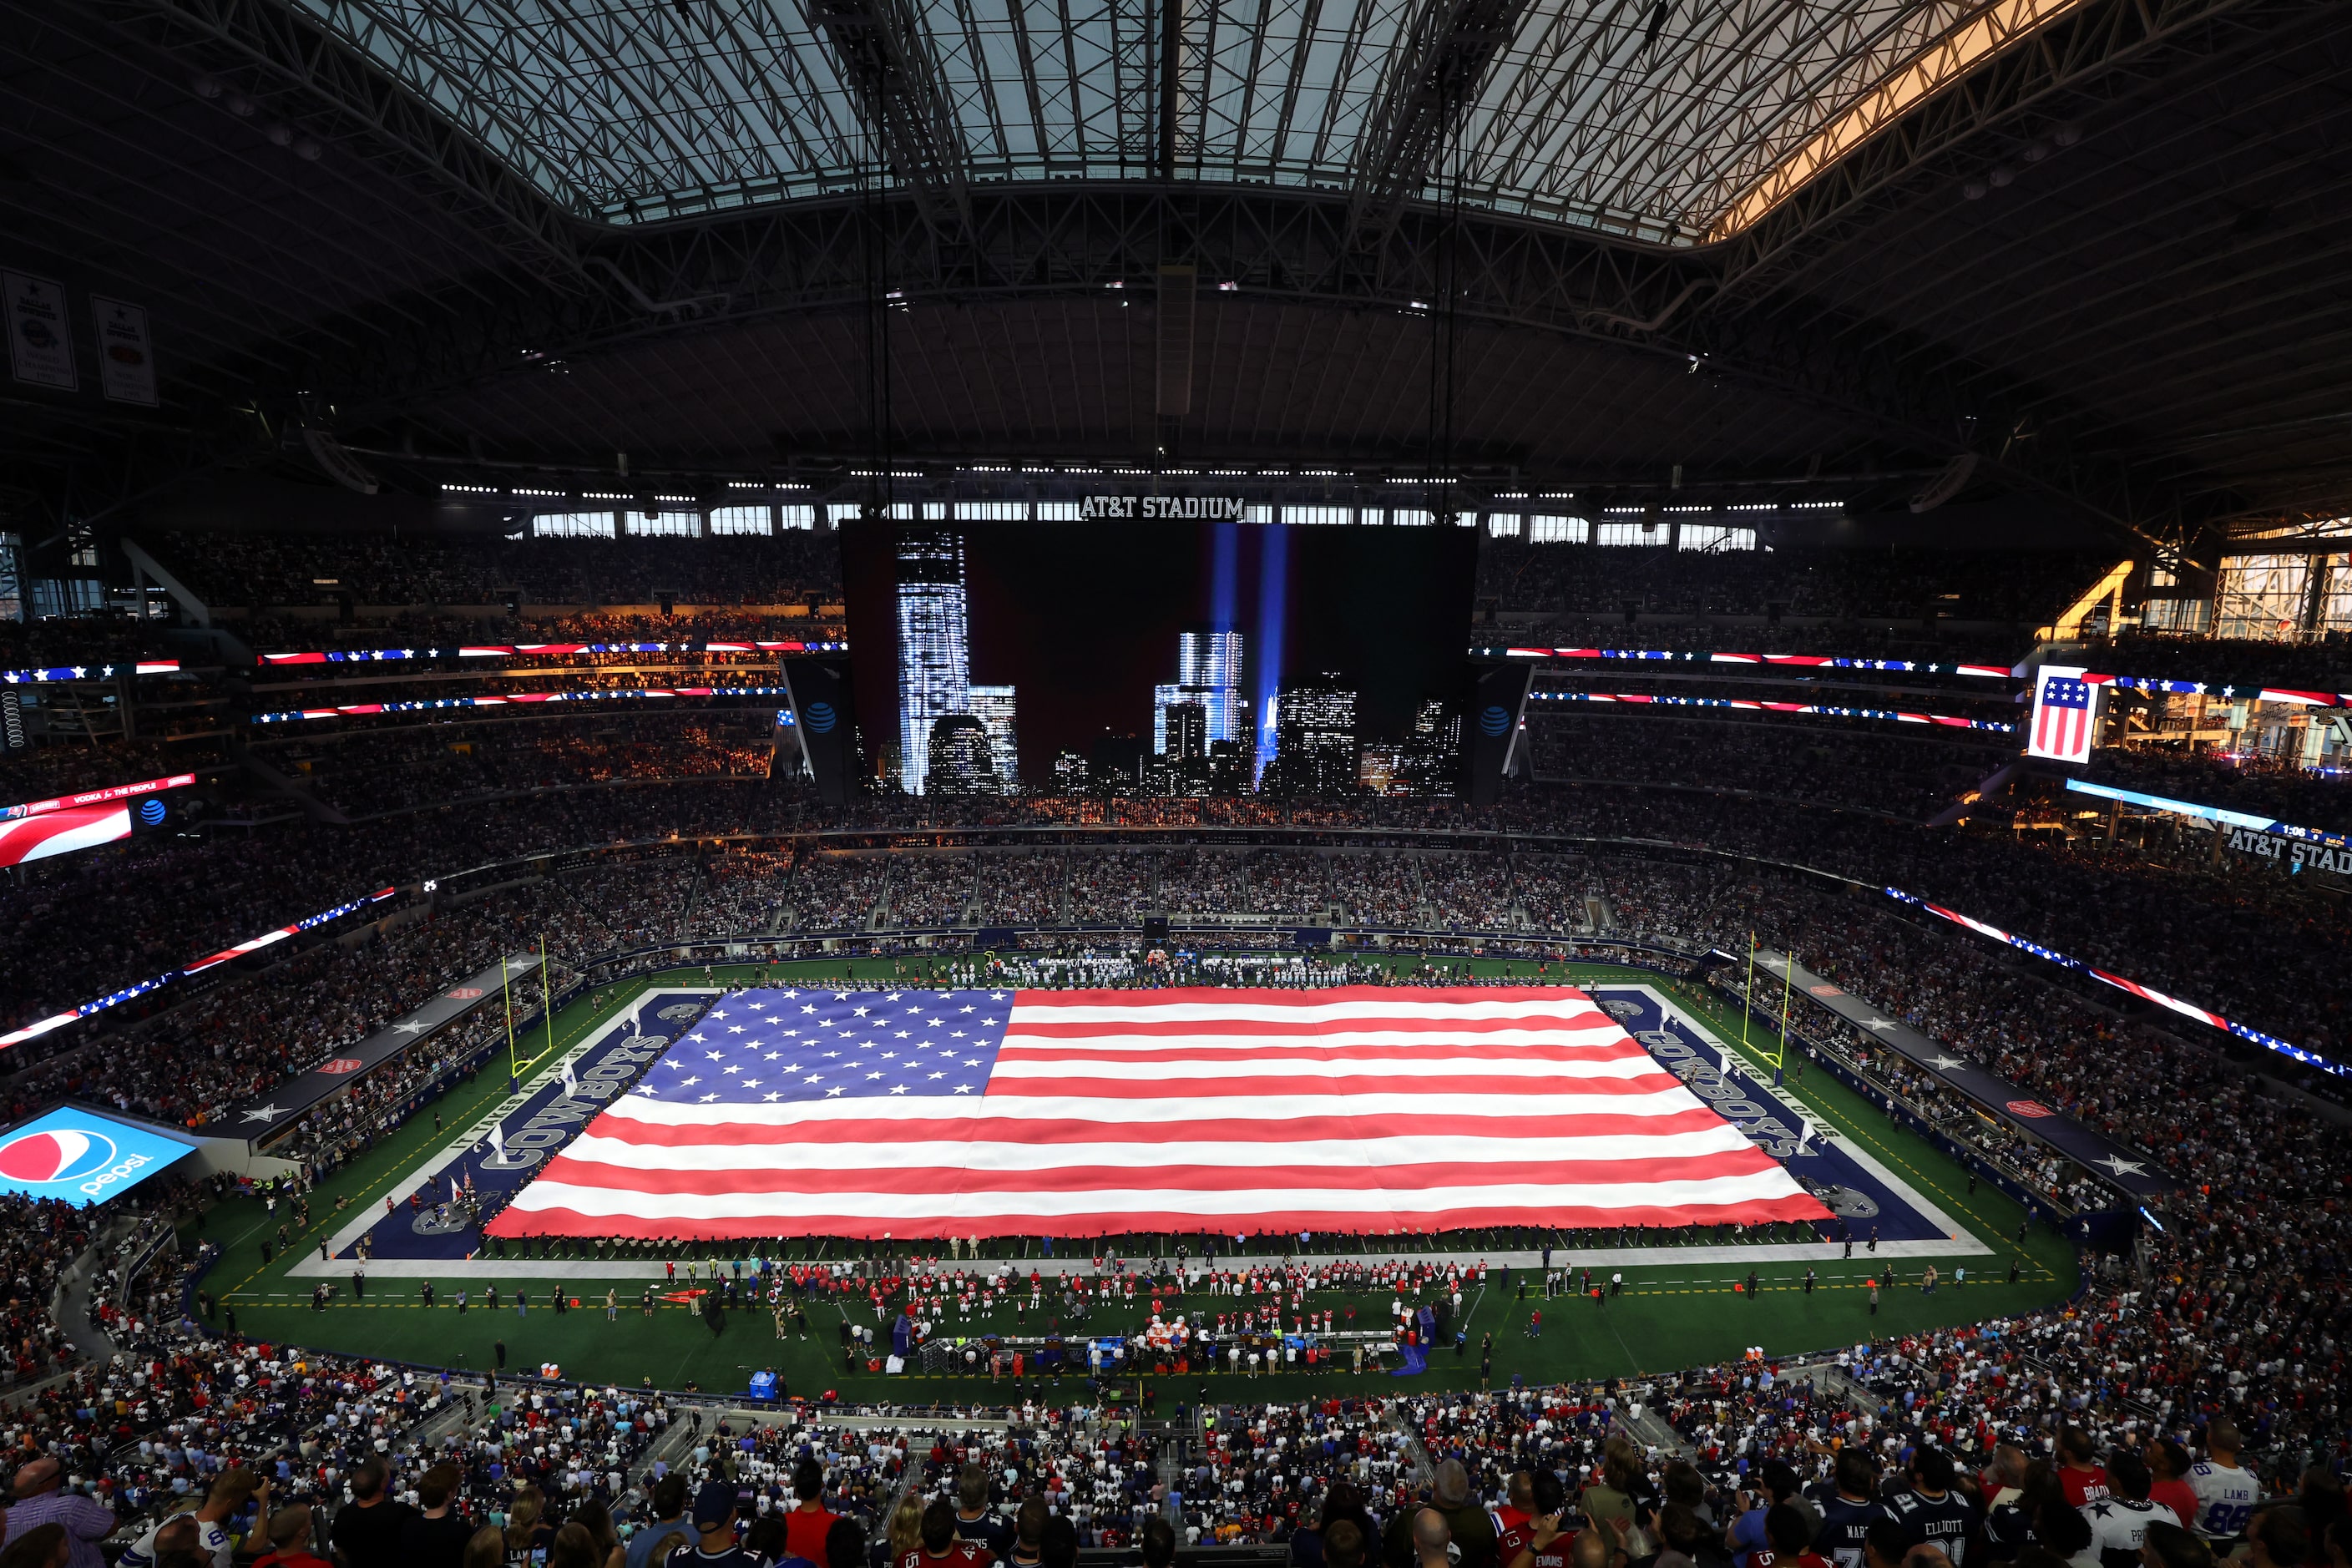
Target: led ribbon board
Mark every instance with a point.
(2147, 993)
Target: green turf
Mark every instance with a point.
(1671, 1315)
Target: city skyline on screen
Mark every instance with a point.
(1174, 658)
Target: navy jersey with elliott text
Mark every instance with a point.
(1945, 1521)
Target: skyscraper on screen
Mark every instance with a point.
(934, 645)
(1208, 672)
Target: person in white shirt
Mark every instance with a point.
(2119, 1520)
(231, 1490)
(2226, 1495)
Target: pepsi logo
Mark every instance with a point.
(1495, 719)
(340, 1066)
(466, 994)
(822, 717)
(2029, 1108)
(61, 1154)
(151, 812)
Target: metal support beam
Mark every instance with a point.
(884, 54)
(1429, 84)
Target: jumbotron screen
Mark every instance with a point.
(1159, 658)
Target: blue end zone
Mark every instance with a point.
(545, 1121)
(1862, 1198)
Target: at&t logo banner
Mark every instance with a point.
(81, 1157)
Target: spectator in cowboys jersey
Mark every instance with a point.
(715, 1545)
(227, 1498)
(975, 1522)
(1849, 1506)
(2078, 1472)
(940, 1548)
(1931, 1512)
(1789, 1538)
(2119, 1520)
(2226, 1495)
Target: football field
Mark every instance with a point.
(1679, 1305)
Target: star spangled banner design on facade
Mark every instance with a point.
(1002, 1112)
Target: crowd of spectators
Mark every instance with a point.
(1021, 886)
(1851, 593)
(263, 570)
(1905, 776)
(2260, 787)
(410, 766)
(930, 890)
(71, 766)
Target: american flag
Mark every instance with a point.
(1004, 1112)
(61, 831)
(2062, 707)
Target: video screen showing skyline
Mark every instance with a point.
(1159, 657)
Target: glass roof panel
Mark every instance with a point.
(635, 111)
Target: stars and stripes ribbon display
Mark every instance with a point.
(962, 1112)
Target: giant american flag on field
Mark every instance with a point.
(931, 1114)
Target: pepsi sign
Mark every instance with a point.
(81, 1157)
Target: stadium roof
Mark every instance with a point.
(2093, 251)
(1667, 121)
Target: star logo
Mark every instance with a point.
(1881, 1023)
(2121, 1166)
(265, 1113)
(411, 1027)
(1944, 1064)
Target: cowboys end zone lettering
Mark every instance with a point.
(603, 1073)
(1210, 509)
(80, 1157)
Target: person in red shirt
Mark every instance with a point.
(289, 1541)
(1519, 1505)
(2167, 1465)
(1545, 1540)
(2084, 1480)
(808, 1524)
(940, 1548)
(1788, 1538)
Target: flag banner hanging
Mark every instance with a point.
(2065, 715)
(126, 359)
(40, 335)
(930, 1114)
